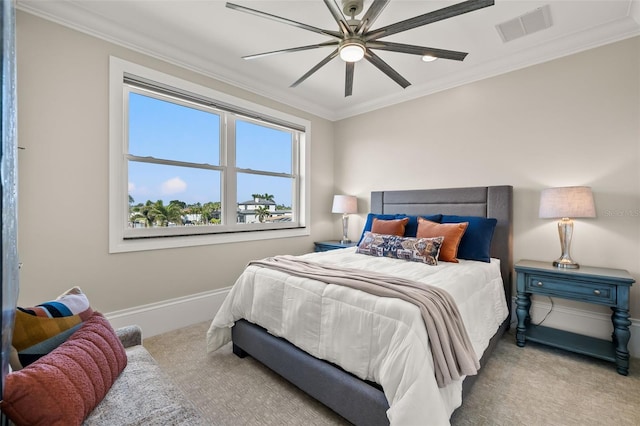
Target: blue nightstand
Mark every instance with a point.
(332, 245)
(602, 286)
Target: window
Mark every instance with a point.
(192, 166)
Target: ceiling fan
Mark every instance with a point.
(355, 39)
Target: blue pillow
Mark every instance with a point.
(476, 241)
(410, 230)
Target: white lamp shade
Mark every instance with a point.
(570, 201)
(345, 204)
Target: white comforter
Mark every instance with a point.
(378, 339)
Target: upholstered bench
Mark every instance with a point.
(142, 394)
(93, 379)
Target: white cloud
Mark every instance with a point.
(132, 187)
(174, 186)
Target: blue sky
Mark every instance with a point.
(161, 129)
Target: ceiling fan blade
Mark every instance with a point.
(292, 49)
(371, 15)
(348, 80)
(296, 24)
(316, 68)
(427, 18)
(385, 68)
(417, 50)
(338, 16)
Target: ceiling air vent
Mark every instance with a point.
(529, 23)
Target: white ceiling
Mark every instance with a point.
(208, 37)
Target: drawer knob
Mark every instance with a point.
(596, 292)
(539, 284)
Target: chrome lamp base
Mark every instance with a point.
(565, 264)
(565, 230)
(345, 229)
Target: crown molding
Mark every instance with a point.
(578, 42)
(70, 14)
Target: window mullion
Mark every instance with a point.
(230, 177)
(295, 199)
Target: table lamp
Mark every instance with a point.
(566, 203)
(345, 204)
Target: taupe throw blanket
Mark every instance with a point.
(453, 354)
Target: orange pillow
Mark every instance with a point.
(452, 233)
(64, 386)
(389, 227)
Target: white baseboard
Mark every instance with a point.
(168, 315)
(580, 321)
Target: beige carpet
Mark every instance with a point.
(534, 385)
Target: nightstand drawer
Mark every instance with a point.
(572, 289)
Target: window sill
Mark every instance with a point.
(144, 244)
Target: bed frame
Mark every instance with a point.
(362, 402)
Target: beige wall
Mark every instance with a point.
(63, 181)
(571, 121)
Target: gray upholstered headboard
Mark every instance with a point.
(484, 201)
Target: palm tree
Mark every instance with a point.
(157, 214)
(136, 218)
(262, 212)
(208, 212)
(146, 213)
(179, 203)
(173, 212)
(263, 197)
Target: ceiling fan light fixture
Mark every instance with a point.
(351, 52)
(355, 38)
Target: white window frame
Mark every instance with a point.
(121, 241)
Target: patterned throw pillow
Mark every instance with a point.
(424, 250)
(40, 329)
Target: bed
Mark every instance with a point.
(330, 377)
